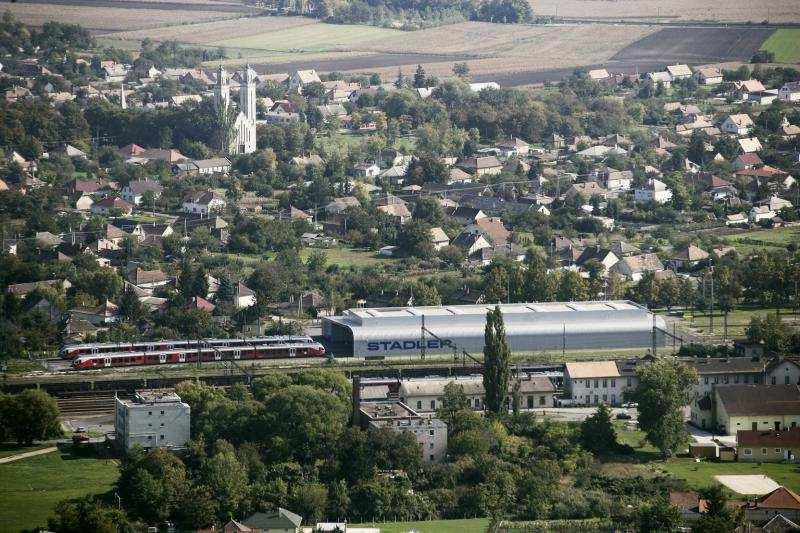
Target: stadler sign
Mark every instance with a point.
(387, 346)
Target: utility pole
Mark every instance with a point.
(711, 323)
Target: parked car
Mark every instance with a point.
(623, 416)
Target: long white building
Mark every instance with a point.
(530, 327)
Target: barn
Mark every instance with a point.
(530, 327)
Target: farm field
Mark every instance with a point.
(106, 19)
(31, 488)
(676, 10)
(475, 525)
(785, 44)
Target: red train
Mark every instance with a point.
(297, 347)
(71, 351)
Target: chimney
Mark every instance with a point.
(355, 420)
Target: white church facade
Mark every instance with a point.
(242, 139)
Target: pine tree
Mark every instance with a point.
(226, 289)
(130, 307)
(496, 356)
(419, 77)
(400, 82)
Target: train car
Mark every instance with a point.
(72, 351)
(290, 348)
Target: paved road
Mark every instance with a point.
(25, 455)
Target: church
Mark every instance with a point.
(242, 137)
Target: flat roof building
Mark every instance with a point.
(430, 433)
(152, 419)
(530, 327)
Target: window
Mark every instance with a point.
(430, 445)
(705, 380)
(785, 380)
(777, 450)
(736, 378)
(605, 398)
(725, 379)
(716, 380)
(773, 380)
(149, 413)
(748, 451)
(433, 404)
(605, 383)
(430, 457)
(613, 383)
(542, 400)
(431, 432)
(162, 424)
(419, 404)
(596, 383)
(530, 402)
(161, 437)
(162, 412)
(469, 402)
(763, 451)
(149, 437)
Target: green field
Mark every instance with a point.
(474, 525)
(699, 475)
(30, 488)
(7, 449)
(309, 38)
(347, 257)
(785, 44)
(771, 239)
(738, 319)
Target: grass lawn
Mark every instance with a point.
(8, 449)
(738, 320)
(771, 238)
(311, 38)
(438, 526)
(701, 474)
(30, 488)
(347, 257)
(785, 44)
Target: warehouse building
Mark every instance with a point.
(530, 327)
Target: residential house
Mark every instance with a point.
(340, 205)
(203, 203)
(102, 315)
(690, 505)
(112, 206)
(482, 166)
(688, 257)
(747, 160)
(439, 238)
(23, 289)
(399, 211)
(759, 213)
(514, 147)
(425, 394)
(599, 74)
(300, 78)
(662, 78)
(653, 191)
(217, 165)
(743, 89)
(780, 502)
(750, 145)
(756, 407)
(292, 213)
(304, 161)
(708, 76)
(283, 112)
(366, 170)
(147, 279)
(134, 191)
(492, 228)
(603, 256)
(634, 267)
(769, 446)
(615, 180)
(464, 214)
(790, 92)
(776, 203)
(243, 296)
(473, 244)
(679, 72)
(586, 190)
(736, 219)
(738, 124)
(591, 383)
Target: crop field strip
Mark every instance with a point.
(775, 11)
(785, 44)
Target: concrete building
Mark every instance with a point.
(152, 419)
(756, 407)
(431, 433)
(530, 327)
(780, 502)
(596, 382)
(783, 372)
(425, 394)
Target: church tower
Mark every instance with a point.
(247, 94)
(222, 92)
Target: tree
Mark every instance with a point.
(130, 307)
(597, 432)
(537, 285)
(461, 70)
(152, 483)
(419, 77)
(453, 401)
(664, 388)
(496, 358)
(227, 478)
(30, 415)
(572, 287)
(769, 331)
(86, 514)
(415, 240)
(658, 516)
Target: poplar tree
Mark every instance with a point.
(496, 357)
